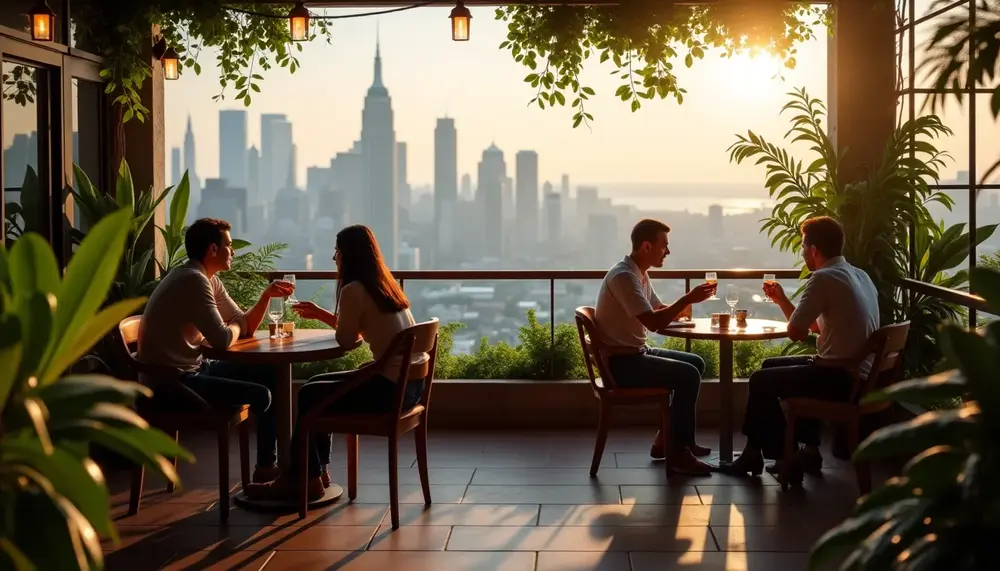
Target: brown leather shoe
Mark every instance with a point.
(324, 477)
(699, 451)
(263, 474)
(685, 463)
(283, 488)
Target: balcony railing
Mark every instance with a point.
(687, 276)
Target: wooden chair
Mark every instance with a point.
(201, 416)
(417, 349)
(596, 354)
(886, 345)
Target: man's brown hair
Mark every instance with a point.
(202, 234)
(826, 234)
(646, 230)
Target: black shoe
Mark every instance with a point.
(742, 466)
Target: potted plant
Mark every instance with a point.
(54, 498)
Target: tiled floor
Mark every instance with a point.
(518, 501)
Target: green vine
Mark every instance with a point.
(645, 39)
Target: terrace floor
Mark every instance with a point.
(503, 500)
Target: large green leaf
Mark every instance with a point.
(944, 427)
(5, 281)
(935, 469)
(124, 190)
(72, 396)
(85, 285)
(92, 331)
(979, 361)
(10, 355)
(986, 282)
(149, 447)
(33, 268)
(179, 204)
(36, 324)
(925, 392)
(15, 555)
(848, 534)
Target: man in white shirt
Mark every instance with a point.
(840, 304)
(190, 306)
(627, 306)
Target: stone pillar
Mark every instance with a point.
(862, 83)
(142, 144)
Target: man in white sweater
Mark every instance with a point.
(191, 306)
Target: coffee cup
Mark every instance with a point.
(741, 317)
(723, 319)
(288, 328)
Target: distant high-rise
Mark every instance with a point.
(378, 151)
(602, 238)
(191, 165)
(253, 175)
(526, 199)
(346, 176)
(715, 220)
(175, 166)
(564, 191)
(489, 198)
(275, 155)
(553, 218)
(467, 187)
(233, 147)
(221, 200)
(445, 182)
(402, 182)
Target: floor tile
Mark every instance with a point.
(408, 560)
(700, 561)
(741, 495)
(132, 559)
(666, 515)
(468, 514)
(217, 561)
(319, 537)
(670, 495)
(581, 539)
(408, 494)
(527, 460)
(567, 477)
(626, 460)
(411, 538)
(783, 539)
(409, 476)
(594, 494)
(582, 561)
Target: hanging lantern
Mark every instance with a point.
(171, 64)
(461, 19)
(43, 22)
(298, 22)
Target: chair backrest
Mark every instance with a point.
(416, 346)
(594, 349)
(886, 345)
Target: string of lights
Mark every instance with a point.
(315, 16)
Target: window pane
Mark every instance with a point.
(987, 139)
(925, 31)
(88, 146)
(24, 196)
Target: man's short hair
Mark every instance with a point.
(826, 234)
(202, 234)
(646, 230)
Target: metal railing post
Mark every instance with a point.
(687, 288)
(552, 329)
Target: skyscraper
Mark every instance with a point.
(275, 155)
(526, 200)
(233, 147)
(175, 165)
(402, 182)
(190, 165)
(553, 219)
(378, 151)
(467, 187)
(489, 198)
(564, 191)
(253, 175)
(445, 183)
(346, 176)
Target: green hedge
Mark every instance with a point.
(530, 359)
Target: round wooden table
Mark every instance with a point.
(755, 330)
(306, 345)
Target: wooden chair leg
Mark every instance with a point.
(224, 474)
(603, 425)
(135, 492)
(394, 480)
(302, 457)
(352, 466)
(420, 435)
(861, 469)
(667, 436)
(170, 485)
(244, 432)
(791, 420)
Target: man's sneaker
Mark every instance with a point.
(263, 474)
(284, 489)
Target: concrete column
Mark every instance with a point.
(862, 83)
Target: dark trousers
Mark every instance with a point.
(224, 384)
(663, 368)
(375, 396)
(789, 377)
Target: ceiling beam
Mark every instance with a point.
(451, 3)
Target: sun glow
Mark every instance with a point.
(755, 76)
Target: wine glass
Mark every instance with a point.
(768, 279)
(290, 278)
(276, 311)
(712, 278)
(732, 297)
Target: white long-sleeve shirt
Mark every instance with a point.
(359, 317)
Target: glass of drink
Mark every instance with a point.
(276, 311)
(290, 278)
(732, 297)
(712, 278)
(768, 279)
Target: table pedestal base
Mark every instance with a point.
(332, 494)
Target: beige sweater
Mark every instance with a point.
(358, 316)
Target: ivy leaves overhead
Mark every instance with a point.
(645, 40)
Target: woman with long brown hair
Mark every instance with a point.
(370, 306)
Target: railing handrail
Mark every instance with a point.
(729, 274)
(958, 297)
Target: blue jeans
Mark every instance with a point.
(223, 384)
(375, 396)
(663, 368)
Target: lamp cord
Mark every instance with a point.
(313, 16)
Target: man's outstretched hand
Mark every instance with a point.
(278, 288)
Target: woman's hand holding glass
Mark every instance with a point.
(309, 310)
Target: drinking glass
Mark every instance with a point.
(290, 278)
(768, 279)
(732, 297)
(276, 311)
(712, 278)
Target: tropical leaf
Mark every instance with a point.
(953, 428)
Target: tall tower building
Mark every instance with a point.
(526, 200)
(253, 175)
(467, 187)
(233, 148)
(489, 198)
(445, 184)
(378, 151)
(553, 220)
(564, 191)
(190, 165)
(275, 155)
(402, 178)
(175, 166)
